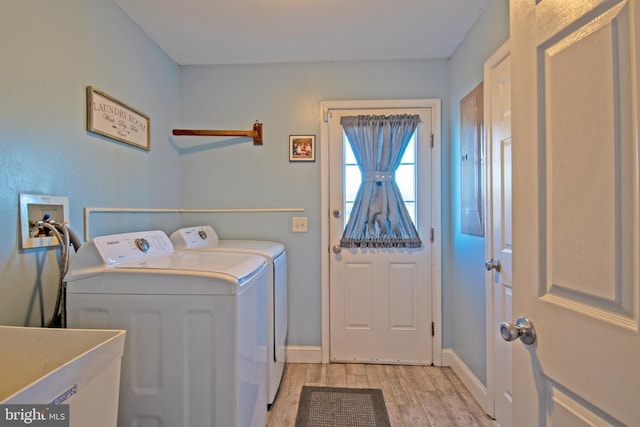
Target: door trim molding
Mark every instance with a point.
(436, 203)
(494, 60)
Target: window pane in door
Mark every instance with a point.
(410, 154)
(406, 182)
(405, 178)
(352, 178)
(348, 207)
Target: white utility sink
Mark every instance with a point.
(78, 367)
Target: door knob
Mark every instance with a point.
(337, 213)
(337, 249)
(523, 329)
(493, 264)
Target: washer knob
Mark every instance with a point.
(142, 244)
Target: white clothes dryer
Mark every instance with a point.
(205, 239)
(195, 353)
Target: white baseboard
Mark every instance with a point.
(304, 354)
(473, 384)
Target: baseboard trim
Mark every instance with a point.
(473, 384)
(304, 354)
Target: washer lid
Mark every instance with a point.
(239, 267)
(258, 247)
(204, 238)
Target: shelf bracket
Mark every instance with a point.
(256, 133)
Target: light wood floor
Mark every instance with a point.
(415, 396)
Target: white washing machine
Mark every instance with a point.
(204, 238)
(195, 353)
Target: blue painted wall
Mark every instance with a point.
(52, 50)
(465, 308)
(286, 98)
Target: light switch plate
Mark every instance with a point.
(299, 224)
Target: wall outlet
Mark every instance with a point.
(299, 224)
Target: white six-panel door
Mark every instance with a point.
(576, 203)
(381, 299)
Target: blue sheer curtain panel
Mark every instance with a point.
(379, 218)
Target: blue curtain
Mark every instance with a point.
(379, 217)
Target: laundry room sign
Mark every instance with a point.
(114, 119)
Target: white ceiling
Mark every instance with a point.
(269, 31)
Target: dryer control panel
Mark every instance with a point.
(121, 248)
(203, 236)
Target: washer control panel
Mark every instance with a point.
(121, 248)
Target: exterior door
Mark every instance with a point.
(380, 299)
(499, 219)
(576, 201)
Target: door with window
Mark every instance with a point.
(380, 299)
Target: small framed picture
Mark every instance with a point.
(302, 148)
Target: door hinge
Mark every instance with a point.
(433, 329)
(432, 235)
(431, 140)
